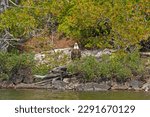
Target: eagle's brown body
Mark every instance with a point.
(76, 52)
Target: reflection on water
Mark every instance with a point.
(71, 95)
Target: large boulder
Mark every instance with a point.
(93, 87)
(21, 74)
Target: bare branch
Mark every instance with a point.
(13, 3)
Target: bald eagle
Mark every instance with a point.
(75, 53)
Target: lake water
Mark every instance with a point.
(71, 95)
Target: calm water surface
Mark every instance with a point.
(71, 95)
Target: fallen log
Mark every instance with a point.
(145, 54)
(48, 76)
(43, 82)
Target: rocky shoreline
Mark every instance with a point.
(60, 79)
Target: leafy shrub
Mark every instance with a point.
(10, 60)
(119, 65)
(3, 76)
(88, 67)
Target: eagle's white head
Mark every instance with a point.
(76, 46)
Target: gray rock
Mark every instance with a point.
(21, 74)
(7, 84)
(97, 53)
(74, 80)
(28, 80)
(88, 87)
(117, 86)
(73, 83)
(93, 87)
(66, 80)
(73, 86)
(101, 87)
(17, 80)
(39, 57)
(79, 87)
(148, 79)
(59, 85)
(146, 87)
(135, 84)
(66, 51)
(32, 86)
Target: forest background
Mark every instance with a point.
(122, 25)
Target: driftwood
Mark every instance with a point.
(48, 76)
(43, 82)
(145, 54)
(6, 40)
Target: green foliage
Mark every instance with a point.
(17, 21)
(122, 22)
(119, 65)
(94, 23)
(25, 18)
(10, 60)
(88, 67)
(3, 76)
(41, 69)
